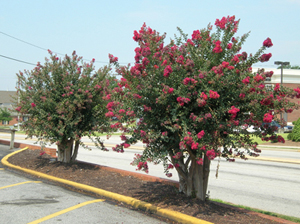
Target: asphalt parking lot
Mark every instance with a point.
(27, 200)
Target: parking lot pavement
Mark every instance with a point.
(24, 200)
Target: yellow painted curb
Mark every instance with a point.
(173, 215)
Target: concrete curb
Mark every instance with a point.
(166, 213)
(173, 215)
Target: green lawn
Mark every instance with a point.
(259, 141)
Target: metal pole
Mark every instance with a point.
(281, 86)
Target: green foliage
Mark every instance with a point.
(5, 115)
(295, 134)
(64, 99)
(289, 67)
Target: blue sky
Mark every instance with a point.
(96, 28)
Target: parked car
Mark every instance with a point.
(286, 129)
(18, 124)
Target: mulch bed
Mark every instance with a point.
(156, 193)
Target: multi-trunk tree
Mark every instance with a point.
(190, 99)
(65, 100)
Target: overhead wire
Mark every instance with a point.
(17, 60)
(33, 45)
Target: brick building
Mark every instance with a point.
(291, 79)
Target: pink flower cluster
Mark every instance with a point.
(112, 59)
(217, 48)
(182, 100)
(225, 20)
(213, 94)
(210, 154)
(143, 166)
(265, 57)
(167, 71)
(268, 42)
(187, 80)
(268, 117)
(196, 35)
(201, 134)
(233, 111)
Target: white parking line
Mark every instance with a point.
(64, 211)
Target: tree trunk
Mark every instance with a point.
(75, 153)
(195, 182)
(65, 150)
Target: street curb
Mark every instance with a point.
(131, 201)
(138, 204)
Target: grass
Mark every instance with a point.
(289, 218)
(259, 141)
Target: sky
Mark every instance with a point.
(95, 28)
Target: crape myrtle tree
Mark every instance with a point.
(65, 99)
(190, 98)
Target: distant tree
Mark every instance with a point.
(64, 99)
(191, 96)
(5, 115)
(290, 67)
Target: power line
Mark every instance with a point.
(17, 60)
(33, 45)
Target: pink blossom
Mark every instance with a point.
(167, 71)
(229, 46)
(42, 153)
(246, 80)
(280, 139)
(18, 108)
(213, 94)
(265, 57)
(203, 96)
(109, 114)
(178, 155)
(121, 111)
(180, 60)
(136, 36)
(218, 48)
(201, 134)
(165, 133)
(126, 145)
(196, 35)
(277, 87)
(112, 59)
(225, 64)
(268, 118)
(194, 146)
(169, 174)
(242, 95)
(258, 78)
(268, 42)
(33, 105)
(123, 137)
(211, 154)
(143, 133)
(199, 161)
(233, 111)
(170, 166)
(189, 41)
(170, 90)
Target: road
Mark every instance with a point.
(270, 182)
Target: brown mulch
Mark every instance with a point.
(159, 194)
